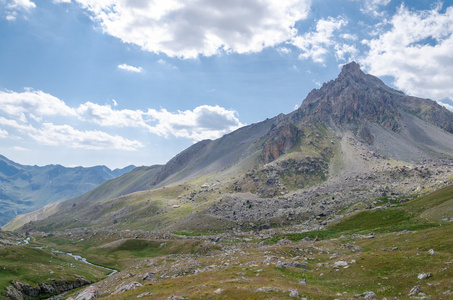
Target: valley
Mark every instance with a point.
(348, 197)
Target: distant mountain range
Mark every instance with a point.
(27, 188)
(352, 127)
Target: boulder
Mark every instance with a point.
(89, 293)
(127, 287)
(339, 264)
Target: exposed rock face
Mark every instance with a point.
(127, 287)
(90, 293)
(348, 99)
(365, 135)
(356, 97)
(281, 139)
(25, 290)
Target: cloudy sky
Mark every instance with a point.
(119, 82)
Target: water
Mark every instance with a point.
(78, 258)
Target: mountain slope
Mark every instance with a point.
(27, 188)
(352, 140)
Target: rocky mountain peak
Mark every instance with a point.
(353, 69)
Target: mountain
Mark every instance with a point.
(352, 139)
(28, 188)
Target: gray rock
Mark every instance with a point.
(13, 294)
(294, 294)
(431, 251)
(424, 275)
(127, 287)
(303, 281)
(369, 295)
(89, 293)
(284, 241)
(175, 298)
(263, 227)
(148, 276)
(296, 264)
(339, 264)
(415, 290)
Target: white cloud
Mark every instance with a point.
(30, 110)
(316, 45)
(34, 104)
(3, 133)
(11, 16)
(344, 51)
(204, 122)
(348, 36)
(20, 4)
(12, 7)
(104, 115)
(23, 128)
(372, 7)
(416, 51)
(283, 50)
(61, 1)
(130, 68)
(200, 27)
(65, 135)
(17, 148)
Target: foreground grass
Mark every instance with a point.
(386, 263)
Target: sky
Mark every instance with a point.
(120, 82)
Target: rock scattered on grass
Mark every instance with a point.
(127, 287)
(294, 294)
(148, 276)
(369, 295)
(424, 276)
(89, 293)
(339, 264)
(415, 290)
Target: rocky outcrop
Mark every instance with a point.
(365, 135)
(355, 97)
(281, 139)
(90, 293)
(19, 289)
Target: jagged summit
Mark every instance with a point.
(358, 97)
(351, 68)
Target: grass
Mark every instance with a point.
(422, 213)
(118, 253)
(32, 266)
(388, 265)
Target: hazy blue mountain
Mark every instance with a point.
(27, 188)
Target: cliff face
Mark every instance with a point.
(352, 97)
(355, 96)
(19, 290)
(281, 139)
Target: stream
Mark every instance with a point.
(84, 260)
(78, 258)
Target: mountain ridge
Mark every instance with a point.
(25, 188)
(352, 127)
